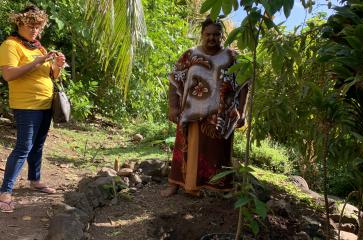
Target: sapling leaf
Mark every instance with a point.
(216, 9)
(254, 227)
(235, 68)
(221, 175)
(288, 5)
(208, 4)
(232, 36)
(242, 201)
(226, 6)
(261, 208)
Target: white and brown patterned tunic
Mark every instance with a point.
(201, 88)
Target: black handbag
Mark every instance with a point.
(61, 106)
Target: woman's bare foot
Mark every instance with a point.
(169, 190)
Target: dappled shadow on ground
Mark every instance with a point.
(30, 218)
(88, 125)
(73, 126)
(149, 216)
(138, 151)
(57, 160)
(8, 135)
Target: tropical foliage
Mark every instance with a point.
(306, 86)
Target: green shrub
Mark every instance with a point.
(80, 94)
(152, 131)
(267, 155)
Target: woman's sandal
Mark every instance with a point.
(43, 188)
(7, 207)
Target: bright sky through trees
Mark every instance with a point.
(297, 17)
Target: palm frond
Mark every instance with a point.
(118, 28)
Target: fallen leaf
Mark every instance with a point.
(14, 226)
(44, 219)
(27, 218)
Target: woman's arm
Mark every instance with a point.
(10, 73)
(173, 104)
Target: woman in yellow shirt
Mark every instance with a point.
(27, 67)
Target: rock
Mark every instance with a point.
(101, 181)
(151, 167)
(157, 179)
(82, 216)
(333, 224)
(262, 191)
(320, 199)
(165, 170)
(125, 172)
(302, 236)
(311, 226)
(80, 201)
(137, 137)
(65, 227)
(133, 190)
(107, 172)
(300, 182)
(126, 180)
(347, 236)
(348, 227)
(97, 191)
(129, 164)
(103, 189)
(280, 207)
(350, 214)
(87, 236)
(135, 178)
(146, 179)
(5, 120)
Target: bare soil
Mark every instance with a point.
(144, 215)
(33, 210)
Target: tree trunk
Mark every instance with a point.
(325, 173)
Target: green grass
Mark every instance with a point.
(91, 147)
(267, 155)
(280, 182)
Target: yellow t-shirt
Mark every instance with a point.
(33, 90)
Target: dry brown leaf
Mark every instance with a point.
(27, 218)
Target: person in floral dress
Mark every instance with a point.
(207, 105)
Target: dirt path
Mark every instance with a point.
(33, 209)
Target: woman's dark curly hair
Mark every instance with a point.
(208, 21)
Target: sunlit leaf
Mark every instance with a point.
(118, 28)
